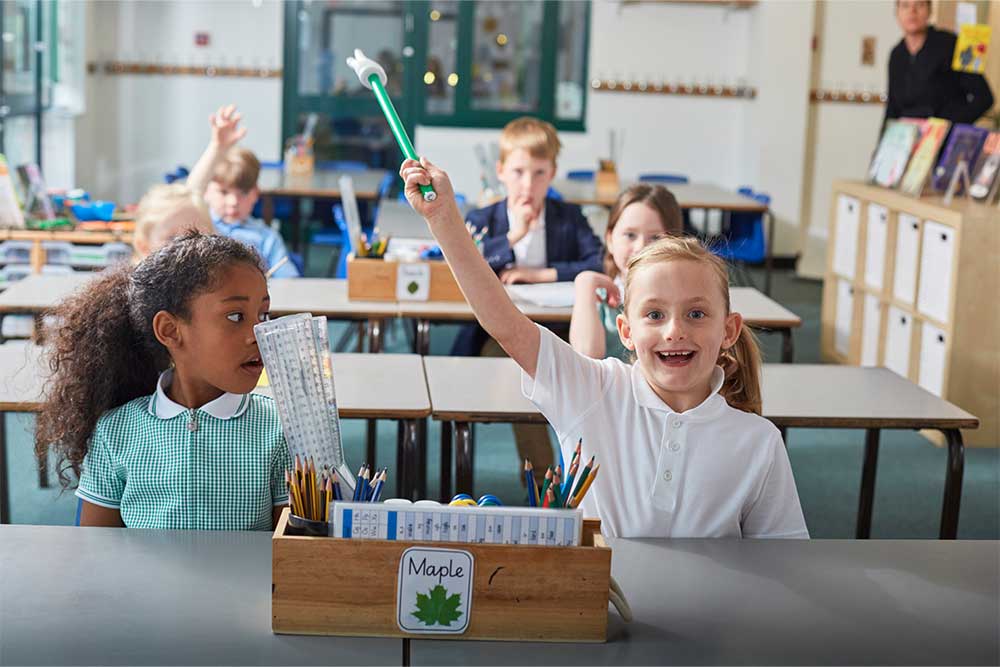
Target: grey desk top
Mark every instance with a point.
(795, 395)
(89, 596)
(757, 309)
(369, 386)
(689, 195)
(398, 219)
(321, 183)
(320, 296)
(781, 602)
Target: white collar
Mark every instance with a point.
(226, 406)
(705, 410)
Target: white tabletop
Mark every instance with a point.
(689, 195)
(320, 183)
(803, 395)
(368, 386)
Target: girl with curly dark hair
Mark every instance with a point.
(149, 404)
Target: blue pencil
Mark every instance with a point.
(377, 492)
(359, 488)
(336, 487)
(529, 478)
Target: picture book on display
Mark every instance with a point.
(984, 179)
(36, 198)
(964, 144)
(925, 156)
(893, 153)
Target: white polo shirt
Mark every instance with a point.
(530, 252)
(712, 471)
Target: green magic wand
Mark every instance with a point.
(373, 77)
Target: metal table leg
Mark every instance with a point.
(463, 458)
(423, 339)
(4, 482)
(787, 346)
(952, 484)
(768, 252)
(446, 444)
(420, 462)
(410, 446)
(867, 498)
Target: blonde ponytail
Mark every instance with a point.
(741, 363)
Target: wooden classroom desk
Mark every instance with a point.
(758, 310)
(780, 602)
(118, 596)
(368, 386)
(794, 395)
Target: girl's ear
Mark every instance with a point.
(625, 332)
(734, 323)
(167, 331)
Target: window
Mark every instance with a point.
(450, 63)
(27, 76)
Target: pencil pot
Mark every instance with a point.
(449, 590)
(299, 526)
(389, 280)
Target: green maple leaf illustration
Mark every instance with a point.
(438, 607)
(412, 287)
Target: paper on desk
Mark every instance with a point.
(547, 295)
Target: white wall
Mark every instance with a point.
(137, 127)
(844, 135)
(729, 142)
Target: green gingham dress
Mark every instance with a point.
(217, 467)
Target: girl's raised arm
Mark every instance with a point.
(496, 313)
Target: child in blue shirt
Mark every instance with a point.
(227, 178)
(149, 404)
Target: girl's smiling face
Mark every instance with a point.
(638, 226)
(215, 347)
(677, 325)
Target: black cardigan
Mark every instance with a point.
(924, 84)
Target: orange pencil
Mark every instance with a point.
(578, 498)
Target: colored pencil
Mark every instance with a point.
(377, 493)
(582, 477)
(556, 481)
(546, 483)
(336, 487)
(529, 478)
(578, 498)
(550, 498)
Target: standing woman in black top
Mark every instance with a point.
(921, 80)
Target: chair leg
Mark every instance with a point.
(331, 268)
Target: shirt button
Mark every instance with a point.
(668, 476)
(674, 446)
(677, 423)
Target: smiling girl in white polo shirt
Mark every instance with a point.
(684, 450)
(150, 402)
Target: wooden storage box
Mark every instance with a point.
(331, 586)
(375, 280)
(911, 284)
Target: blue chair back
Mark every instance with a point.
(79, 508)
(581, 175)
(746, 234)
(554, 194)
(346, 242)
(663, 178)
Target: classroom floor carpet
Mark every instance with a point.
(826, 462)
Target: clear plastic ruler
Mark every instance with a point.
(296, 353)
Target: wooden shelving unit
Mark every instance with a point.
(913, 285)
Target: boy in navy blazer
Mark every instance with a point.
(530, 237)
